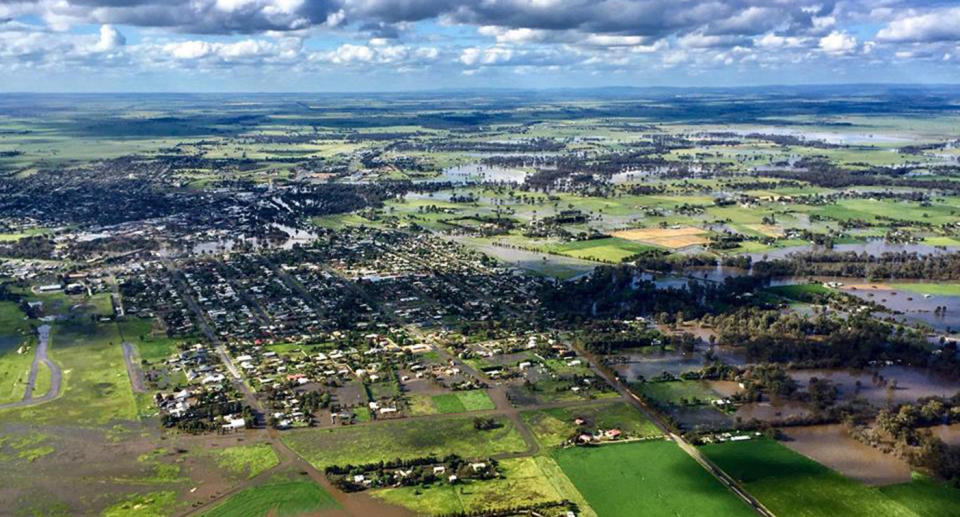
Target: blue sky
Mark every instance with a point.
(384, 45)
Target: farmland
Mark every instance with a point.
(503, 302)
(655, 476)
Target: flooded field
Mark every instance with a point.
(653, 364)
(950, 434)
(478, 172)
(873, 247)
(775, 411)
(832, 446)
(914, 306)
(887, 385)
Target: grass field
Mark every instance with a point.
(925, 496)
(460, 401)
(280, 498)
(552, 427)
(675, 392)
(402, 439)
(96, 389)
(246, 460)
(935, 289)
(790, 484)
(525, 481)
(154, 504)
(799, 292)
(652, 478)
(610, 249)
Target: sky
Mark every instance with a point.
(400, 45)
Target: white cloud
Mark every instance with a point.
(837, 43)
(474, 56)
(110, 39)
(940, 25)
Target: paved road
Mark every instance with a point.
(56, 374)
(133, 369)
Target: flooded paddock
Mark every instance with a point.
(652, 364)
(887, 385)
(772, 411)
(832, 446)
(950, 434)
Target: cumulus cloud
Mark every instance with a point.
(939, 25)
(838, 42)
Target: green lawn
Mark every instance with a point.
(154, 504)
(789, 484)
(652, 479)
(553, 426)
(402, 439)
(460, 401)
(277, 499)
(246, 460)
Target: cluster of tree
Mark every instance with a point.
(33, 247)
(941, 266)
(411, 472)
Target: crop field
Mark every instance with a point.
(603, 250)
(402, 439)
(665, 237)
(554, 426)
(460, 401)
(279, 498)
(246, 460)
(655, 478)
(790, 484)
(935, 289)
(678, 392)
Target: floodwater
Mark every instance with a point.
(874, 247)
(478, 172)
(701, 418)
(914, 306)
(653, 364)
(773, 411)
(832, 446)
(294, 236)
(890, 385)
(828, 137)
(950, 434)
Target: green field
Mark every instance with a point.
(799, 292)
(554, 426)
(934, 289)
(276, 499)
(925, 496)
(610, 249)
(525, 481)
(96, 389)
(246, 460)
(460, 401)
(652, 478)
(402, 439)
(676, 392)
(790, 484)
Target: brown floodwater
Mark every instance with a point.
(832, 446)
(950, 434)
(911, 383)
(776, 411)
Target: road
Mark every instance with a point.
(56, 374)
(133, 369)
